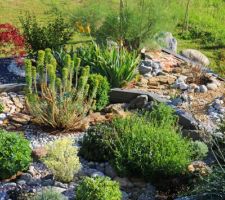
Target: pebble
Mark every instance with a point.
(97, 174)
(183, 86)
(3, 116)
(203, 89)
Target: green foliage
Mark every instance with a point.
(210, 187)
(49, 194)
(52, 35)
(95, 144)
(163, 115)
(117, 66)
(199, 149)
(15, 154)
(131, 23)
(62, 159)
(60, 105)
(1, 107)
(142, 144)
(102, 98)
(148, 149)
(99, 189)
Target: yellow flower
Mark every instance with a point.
(88, 29)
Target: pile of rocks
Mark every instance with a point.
(181, 84)
(150, 68)
(216, 109)
(14, 115)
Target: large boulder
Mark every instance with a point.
(166, 40)
(196, 56)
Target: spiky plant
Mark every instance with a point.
(60, 104)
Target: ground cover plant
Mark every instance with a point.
(15, 154)
(138, 145)
(58, 94)
(99, 188)
(62, 159)
(49, 194)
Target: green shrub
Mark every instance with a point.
(15, 154)
(142, 144)
(62, 159)
(95, 144)
(52, 35)
(49, 194)
(162, 115)
(99, 189)
(1, 107)
(147, 149)
(102, 98)
(119, 67)
(199, 149)
(66, 99)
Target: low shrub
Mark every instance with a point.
(147, 149)
(199, 149)
(95, 144)
(62, 159)
(49, 194)
(99, 189)
(102, 98)
(12, 42)
(15, 154)
(143, 144)
(64, 100)
(52, 35)
(118, 66)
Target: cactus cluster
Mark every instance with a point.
(60, 100)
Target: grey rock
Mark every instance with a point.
(109, 171)
(60, 185)
(97, 174)
(21, 182)
(139, 102)
(177, 101)
(183, 86)
(145, 67)
(211, 86)
(3, 116)
(203, 89)
(148, 194)
(196, 56)
(124, 182)
(26, 177)
(3, 195)
(125, 196)
(34, 182)
(166, 40)
(48, 182)
(9, 185)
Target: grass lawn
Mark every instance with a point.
(11, 9)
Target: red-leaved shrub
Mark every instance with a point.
(12, 43)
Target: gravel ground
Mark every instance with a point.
(6, 76)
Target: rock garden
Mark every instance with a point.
(107, 122)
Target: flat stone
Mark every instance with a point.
(139, 102)
(20, 118)
(211, 86)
